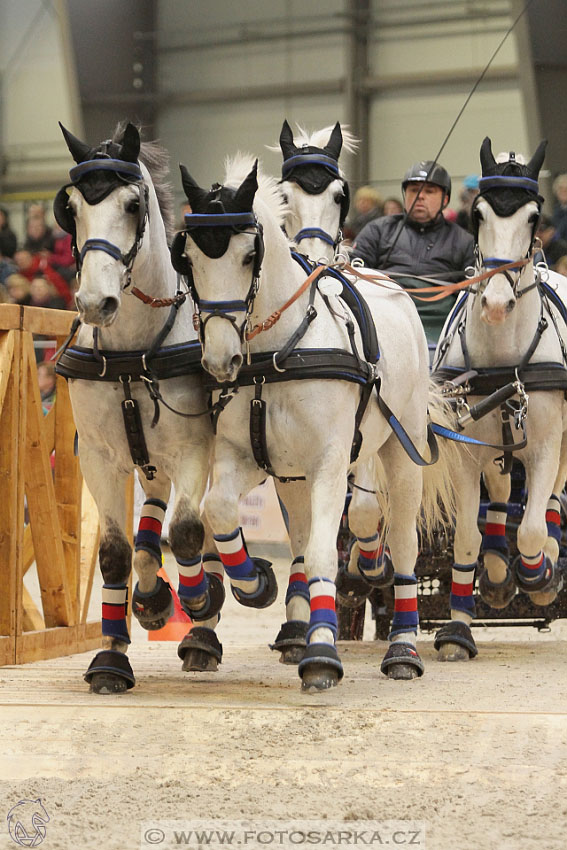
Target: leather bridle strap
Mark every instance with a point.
(275, 316)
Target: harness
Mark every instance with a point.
(125, 367)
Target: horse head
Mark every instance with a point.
(221, 250)
(315, 190)
(505, 215)
(105, 207)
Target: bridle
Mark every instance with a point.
(128, 173)
(245, 222)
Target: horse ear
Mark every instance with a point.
(335, 143)
(195, 195)
(286, 141)
(487, 160)
(244, 198)
(130, 149)
(80, 151)
(536, 161)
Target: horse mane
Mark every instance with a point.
(238, 167)
(156, 159)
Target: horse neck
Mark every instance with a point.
(494, 345)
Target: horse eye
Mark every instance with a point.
(132, 206)
(338, 197)
(248, 258)
(534, 217)
(477, 215)
(285, 198)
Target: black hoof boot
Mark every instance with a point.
(267, 589)
(385, 579)
(215, 600)
(497, 595)
(352, 591)
(153, 610)
(454, 642)
(200, 651)
(291, 641)
(402, 661)
(110, 673)
(543, 590)
(320, 668)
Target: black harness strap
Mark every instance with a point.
(258, 442)
(135, 431)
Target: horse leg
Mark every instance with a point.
(536, 574)
(404, 481)
(291, 639)
(110, 672)
(496, 585)
(152, 602)
(252, 580)
(200, 650)
(454, 640)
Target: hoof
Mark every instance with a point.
(267, 589)
(455, 635)
(402, 661)
(544, 590)
(320, 668)
(452, 652)
(497, 595)
(110, 673)
(291, 641)
(352, 591)
(214, 601)
(200, 651)
(153, 610)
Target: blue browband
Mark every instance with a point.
(130, 169)
(309, 159)
(220, 220)
(499, 181)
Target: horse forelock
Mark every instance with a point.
(237, 169)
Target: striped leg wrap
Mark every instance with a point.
(193, 581)
(235, 558)
(371, 555)
(114, 607)
(405, 605)
(462, 587)
(149, 529)
(297, 585)
(494, 538)
(213, 564)
(322, 602)
(553, 519)
(530, 569)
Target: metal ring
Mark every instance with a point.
(103, 373)
(275, 365)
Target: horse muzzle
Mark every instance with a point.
(225, 372)
(496, 311)
(100, 312)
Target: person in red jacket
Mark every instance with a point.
(32, 265)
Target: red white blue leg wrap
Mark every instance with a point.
(531, 568)
(234, 556)
(297, 585)
(193, 581)
(114, 606)
(149, 529)
(322, 601)
(494, 539)
(553, 519)
(405, 605)
(462, 587)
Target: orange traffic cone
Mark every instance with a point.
(179, 624)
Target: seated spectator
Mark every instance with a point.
(47, 381)
(367, 205)
(31, 265)
(554, 248)
(8, 240)
(39, 237)
(392, 206)
(560, 209)
(18, 288)
(44, 294)
(62, 258)
(7, 267)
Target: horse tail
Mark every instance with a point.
(438, 506)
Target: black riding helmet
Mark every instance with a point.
(428, 171)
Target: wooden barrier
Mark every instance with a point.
(47, 516)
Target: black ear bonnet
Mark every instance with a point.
(95, 178)
(314, 168)
(507, 186)
(217, 216)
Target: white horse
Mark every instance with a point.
(133, 365)
(317, 198)
(510, 329)
(243, 273)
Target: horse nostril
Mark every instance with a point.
(109, 305)
(483, 301)
(236, 361)
(510, 305)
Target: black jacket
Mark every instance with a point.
(441, 249)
